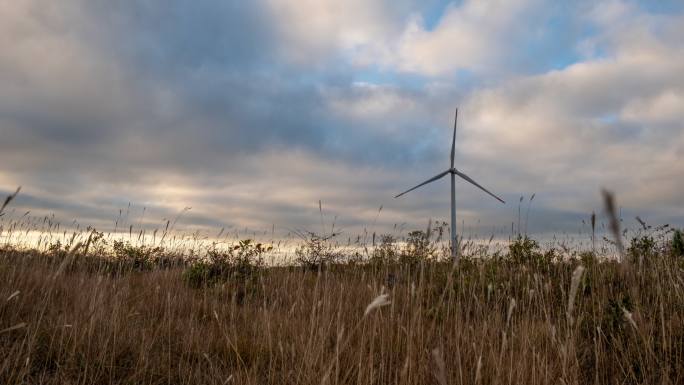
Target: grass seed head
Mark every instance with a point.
(574, 284)
(441, 367)
(511, 306)
(379, 301)
(13, 295)
(628, 317)
(18, 326)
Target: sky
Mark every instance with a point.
(251, 112)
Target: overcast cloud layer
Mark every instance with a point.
(252, 112)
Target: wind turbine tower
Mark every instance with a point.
(453, 171)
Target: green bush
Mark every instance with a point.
(386, 252)
(57, 249)
(419, 247)
(316, 252)
(139, 258)
(588, 258)
(654, 242)
(240, 262)
(199, 274)
(642, 248)
(525, 250)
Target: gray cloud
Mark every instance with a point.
(235, 110)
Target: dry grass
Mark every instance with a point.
(493, 322)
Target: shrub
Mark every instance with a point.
(57, 249)
(139, 258)
(642, 247)
(386, 252)
(419, 247)
(650, 243)
(199, 274)
(316, 252)
(588, 258)
(240, 262)
(247, 257)
(525, 250)
(95, 244)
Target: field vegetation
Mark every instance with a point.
(401, 313)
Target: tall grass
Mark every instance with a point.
(486, 321)
(88, 309)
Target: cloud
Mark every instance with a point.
(318, 31)
(666, 108)
(472, 36)
(252, 112)
(607, 121)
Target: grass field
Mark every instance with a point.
(72, 316)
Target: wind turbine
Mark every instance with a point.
(453, 171)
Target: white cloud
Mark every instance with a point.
(475, 35)
(613, 121)
(665, 108)
(313, 29)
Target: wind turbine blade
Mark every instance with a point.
(434, 178)
(469, 179)
(453, 141)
